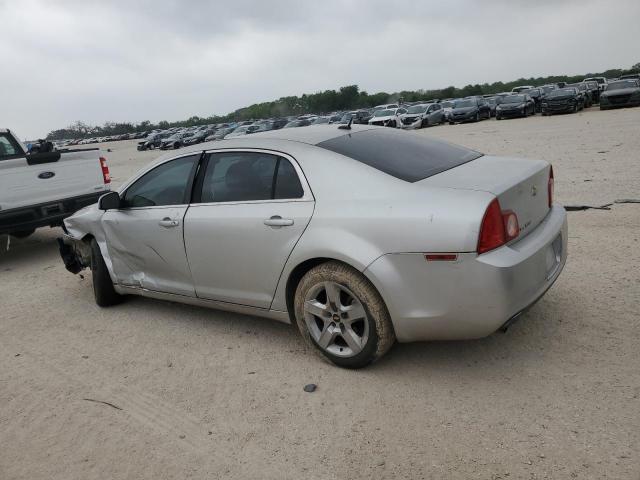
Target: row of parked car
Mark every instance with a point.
(522, 101)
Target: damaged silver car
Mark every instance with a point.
(358, 235)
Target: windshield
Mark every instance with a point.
(464, 104)
(417, 109)
(622, 84)
(384, 113)
(447, 104)
(513, 99)
(561, 92)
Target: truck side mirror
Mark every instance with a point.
(109, 201)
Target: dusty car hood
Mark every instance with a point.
(383, 119)
(464, 110)
(621, 91)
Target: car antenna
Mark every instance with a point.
(347, 126)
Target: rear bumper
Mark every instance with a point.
(475, 295)
(44, 214)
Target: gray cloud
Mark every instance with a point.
(130, 61)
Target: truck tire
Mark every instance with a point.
(22, 233)
(103, 290)
(342, 316)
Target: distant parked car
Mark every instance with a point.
(602, 82)
(632, 76)
(521, 105)
(493, 103)
(594, 88)
(420, 116)
(537, 95)
(521, 88)
(585, 92)
(621, 93)
(197, 137)
(389, 117)
(447, 106)
(563, 100)
(154, 140)
(243, 130)
(174, 141)
(298, 123)
(469, 110)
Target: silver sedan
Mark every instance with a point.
(358, 235)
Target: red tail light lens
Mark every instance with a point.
(105, 170)
(498, 227)
(550, 187)
(491, 229)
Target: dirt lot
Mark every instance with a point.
(204, 394)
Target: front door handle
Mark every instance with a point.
(168, 223)
(278, 221)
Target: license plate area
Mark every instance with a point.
(553, 256)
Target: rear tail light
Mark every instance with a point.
(105, 170)
(550, 186)
(498, 227)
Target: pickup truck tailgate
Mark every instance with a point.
(74, 174)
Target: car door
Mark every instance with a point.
(250, 210)
(145, 236)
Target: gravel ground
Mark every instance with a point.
(204, 394)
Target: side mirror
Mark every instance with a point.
(109, 201)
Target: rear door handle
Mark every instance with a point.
(168, 223)
(278, 221)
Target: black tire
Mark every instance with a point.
(103, 290)
(381, 336)
(22, 233)
(477, 118)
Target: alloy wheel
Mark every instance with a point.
(337, 321)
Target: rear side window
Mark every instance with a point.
(167, 184)
(249, 176)
(407, 156)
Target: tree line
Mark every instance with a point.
(345, 98)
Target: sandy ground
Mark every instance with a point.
(205, 394)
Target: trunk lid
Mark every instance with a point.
(521, 185)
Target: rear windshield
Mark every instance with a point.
(407, 156)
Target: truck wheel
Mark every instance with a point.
(22, 233)
(342, 316)
(103, 290)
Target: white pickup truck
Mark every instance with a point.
(42, 188)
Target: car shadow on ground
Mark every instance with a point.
(521, 347)
(37, 249)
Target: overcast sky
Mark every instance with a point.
(97, 61)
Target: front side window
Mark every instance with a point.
(167, 184)
(249, 176)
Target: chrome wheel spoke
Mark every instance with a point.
(353, 312)
(353, 340)
(333, 295)
(327, 336)
(316, 308)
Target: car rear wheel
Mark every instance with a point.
(342, 316)
(103, 290)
